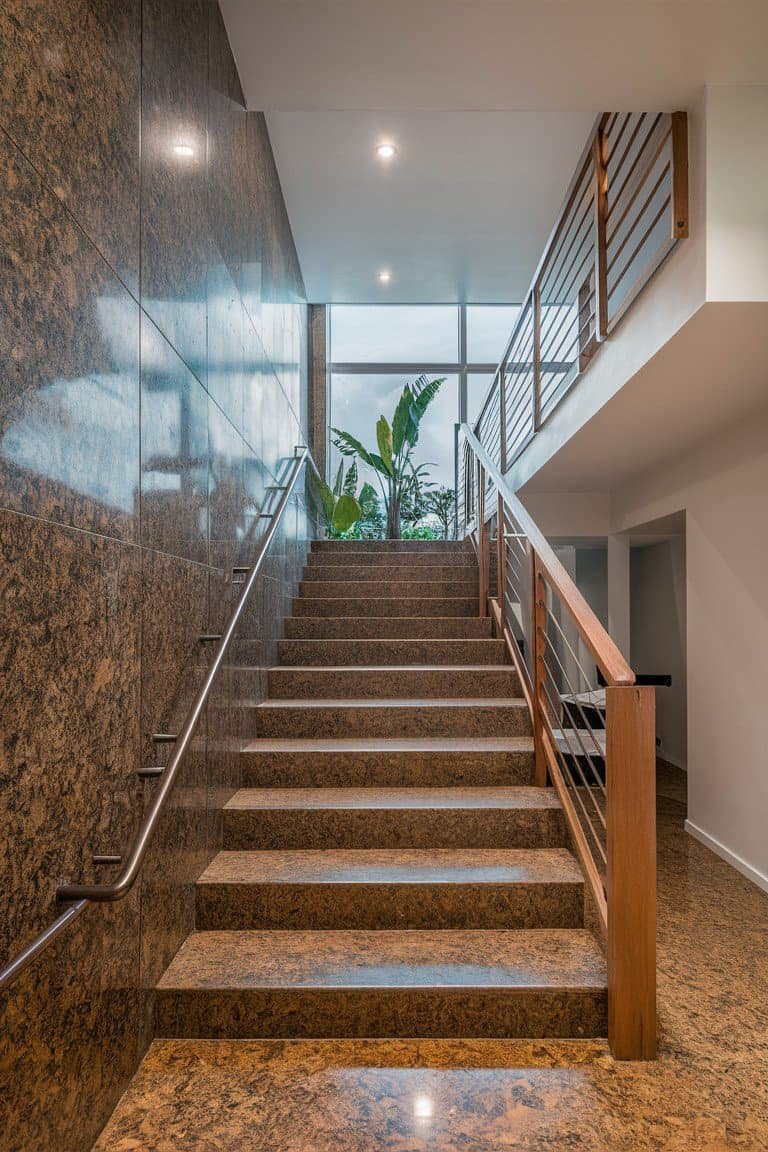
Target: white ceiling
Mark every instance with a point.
(461, 214)
(490, 103)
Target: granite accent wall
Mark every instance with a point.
(153, 379)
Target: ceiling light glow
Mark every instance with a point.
(423, 1108)
(385, 277)
(385, 151)
(183, 149)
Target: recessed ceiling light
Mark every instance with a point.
(385, 277)
(183, 149)
(385, 151)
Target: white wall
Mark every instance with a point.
(737, 193)
(722, 486)
(657, 597)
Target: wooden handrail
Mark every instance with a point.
(603, 769)
(609, 659)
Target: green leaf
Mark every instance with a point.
(424, 392)
(350, 446)
(337, 489)
(384, 440)
(401, 420)
(368, 500)
(346, 513)
(350, 480)
(327, 499)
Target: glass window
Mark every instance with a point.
(394, 333)
(478, 384)
(358, 400)
(489, 327)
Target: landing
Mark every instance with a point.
(707, 1091)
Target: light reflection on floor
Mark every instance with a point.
(708, 1091)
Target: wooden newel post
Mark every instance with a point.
(538, 634)
(482, 541)
(631, 871)
(501, 561)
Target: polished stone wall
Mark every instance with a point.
(152, 384)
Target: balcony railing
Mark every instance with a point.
(626, 208)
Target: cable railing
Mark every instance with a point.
(593, 731)
(625, 209)
(79, 896)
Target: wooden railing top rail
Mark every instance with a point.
(608, 658)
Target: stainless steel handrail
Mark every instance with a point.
(83, 894)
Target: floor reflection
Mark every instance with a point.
(707, 1091)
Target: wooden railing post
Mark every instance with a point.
(536, 305)
(538, 633)
(601, 249)
(679, 175)
(631, 871)
(503, 418)
(501, 561)
(482, 541)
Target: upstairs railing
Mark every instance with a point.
(593, 728)
(626, 208)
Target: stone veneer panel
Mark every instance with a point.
(146, 406)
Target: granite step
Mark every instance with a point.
(391, 888)
(387, 628)
(371, 573)
(411, 589)
(386, 718)
(483, 983)
(441, 681)
(468, 817)
(390, 653)
(328, 561)
(453, 547)
(385, 606)
(404, 763)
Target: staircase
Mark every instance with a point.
(388, 868)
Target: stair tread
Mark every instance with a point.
(334, 799)
(394, 702)
(394, 866)
(513, 959)
(361, 669)
(439, 744)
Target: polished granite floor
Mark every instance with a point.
(708, 1092)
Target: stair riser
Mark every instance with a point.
(369, 1012)
(385, 547)
(346, 683)
(396, 606)
(331, 560)
(387, 906)
(387, 628)
(389, 589)
(393, 828)
(339, 721)
(386, 769)
(335, 653)
(371, 573)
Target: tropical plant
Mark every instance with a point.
(440, 502)
(339, 505)
(420, 532)
(371, 525)
(400, 480)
